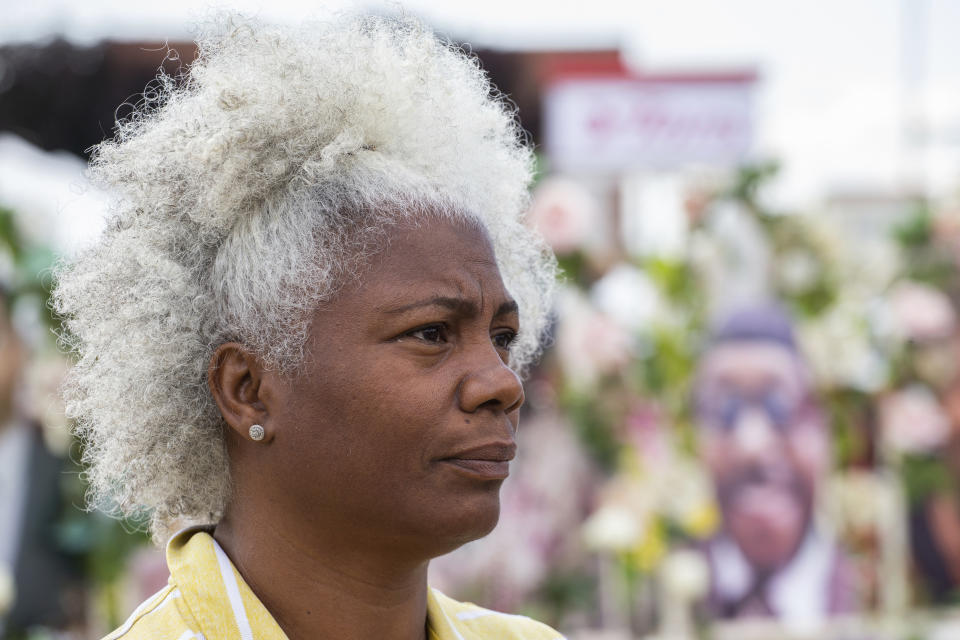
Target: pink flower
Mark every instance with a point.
(564, 213)
(922, 313)
(647, 432)
(590, 344)
(912, 420)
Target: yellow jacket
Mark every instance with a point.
(207, 599)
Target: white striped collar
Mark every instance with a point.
(224, 607)
(233, 593)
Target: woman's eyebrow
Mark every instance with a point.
(461, 305)
(507, 308)
(453, 303)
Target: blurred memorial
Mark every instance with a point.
(765, 440)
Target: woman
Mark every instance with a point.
(300, 333)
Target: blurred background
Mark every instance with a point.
(748, 422)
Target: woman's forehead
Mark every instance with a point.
(436, 258)
(433, 242)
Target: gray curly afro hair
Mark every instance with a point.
(247, 192)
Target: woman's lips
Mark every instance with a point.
(482, 469)
(487, 462)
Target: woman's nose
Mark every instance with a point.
(492, 385)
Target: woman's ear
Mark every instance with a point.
(235, 379)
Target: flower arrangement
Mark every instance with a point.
(876, 319)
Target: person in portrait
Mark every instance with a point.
(299, 340)
(766, 443)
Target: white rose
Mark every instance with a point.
(851, 499)
(612, 528)
(838, 347)
(685, 575)
(628, 296)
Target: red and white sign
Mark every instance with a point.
(611, 123)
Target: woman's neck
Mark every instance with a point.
(326, 586)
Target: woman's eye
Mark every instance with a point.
(434, 333)
(504, 340)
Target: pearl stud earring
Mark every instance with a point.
(257, 432)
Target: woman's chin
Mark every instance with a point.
(465, 522)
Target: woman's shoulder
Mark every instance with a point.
(471, 622)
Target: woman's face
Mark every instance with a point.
(402, 422)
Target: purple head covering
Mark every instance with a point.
(760, 322)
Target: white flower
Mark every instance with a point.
(851, 500)
(733, 257)
(628, 296)
(612, 528)
(874, 262)
(685, 575)
(826, 235)
(838, 347)
(684, 491)
(912, 420)
(564, 213)
(797, 270)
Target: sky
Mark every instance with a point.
(838, 79)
